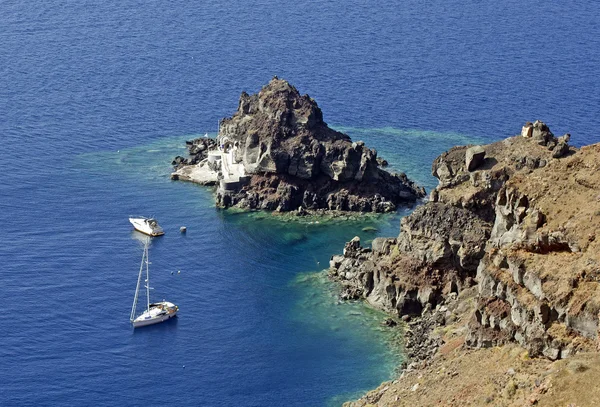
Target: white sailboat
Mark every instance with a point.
(155, 312)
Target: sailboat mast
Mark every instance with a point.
(147, 281)
(137, 287)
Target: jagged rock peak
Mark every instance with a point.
(294, 113)
(280, 131)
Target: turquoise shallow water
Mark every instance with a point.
(96, 98)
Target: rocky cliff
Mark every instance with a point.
(539, 279)
(517, 221)
(291, 159)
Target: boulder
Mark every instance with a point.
(560, 150)
(197, 151)
(389, 322)
(474, 157)
(527, 130)
(541, 133)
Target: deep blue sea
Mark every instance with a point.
(97, 97)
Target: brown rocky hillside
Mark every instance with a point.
(499, 274)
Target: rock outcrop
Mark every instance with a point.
(429, 260)
(197, 152)
(291, 159)
(474, 157)
(520, 226)
(198, 167)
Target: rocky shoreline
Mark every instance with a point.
(276, 153)
(504, 255)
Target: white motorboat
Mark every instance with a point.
(148, 226)
(155, 312)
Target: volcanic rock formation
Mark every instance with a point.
(286, 157)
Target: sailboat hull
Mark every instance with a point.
(152, 321)
(158, 312)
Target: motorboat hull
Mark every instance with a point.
(147, 226)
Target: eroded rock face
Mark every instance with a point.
(296, 161)
(534, 282)
(521, 226)
(429, 260)
(280, 131)
(444, 236)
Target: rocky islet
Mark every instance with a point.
(288, 159)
